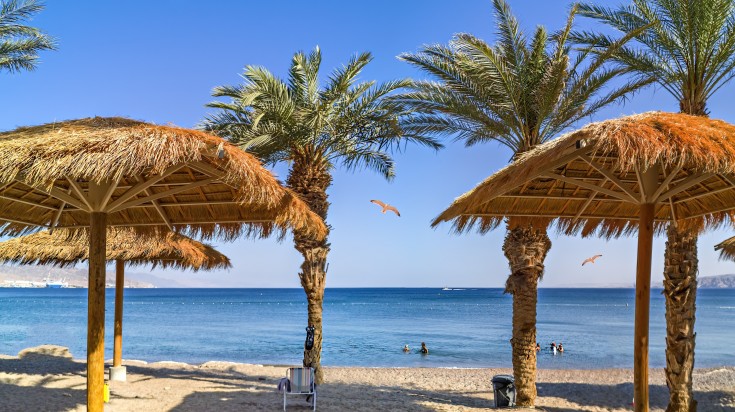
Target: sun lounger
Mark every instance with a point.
(300, 381)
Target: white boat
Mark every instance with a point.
(56, 284)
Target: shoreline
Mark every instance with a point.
(48, 378)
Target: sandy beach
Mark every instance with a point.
(47, 378)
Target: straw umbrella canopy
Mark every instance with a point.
(98, 172)
(612, 178)
(66, 247)
(124, 245)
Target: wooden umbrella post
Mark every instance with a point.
(117, 371)
(96, 313)
(642, 306)
(649, 187)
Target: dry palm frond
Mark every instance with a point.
(234, 190)
(727, 249)
(529, 190)
(66, 248)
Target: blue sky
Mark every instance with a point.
(158, 62)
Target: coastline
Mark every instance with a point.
(48, 378)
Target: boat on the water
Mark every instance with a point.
(56, 284)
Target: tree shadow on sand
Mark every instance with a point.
(620, 396)
(18, 395)
(236, 391)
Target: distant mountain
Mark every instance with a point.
(718, 282)
(75, 277)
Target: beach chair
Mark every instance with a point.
(300, 382)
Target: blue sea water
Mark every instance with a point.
(363, 327)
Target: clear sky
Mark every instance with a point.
(158, 61)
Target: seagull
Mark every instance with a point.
(386, 207)
(591, 260)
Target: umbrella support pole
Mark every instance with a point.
(642, 306)
(96, 312)
(117, 371)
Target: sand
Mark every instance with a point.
(47, 378)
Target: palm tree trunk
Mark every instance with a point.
(525, 248)
(680, 290)
(310, 178)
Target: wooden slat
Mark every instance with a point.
(138, 188)
(156, 196)
(622, 196)
(684, 185)
(79, 192)
(609, 175)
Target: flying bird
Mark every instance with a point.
(591, 260)
(386, 207)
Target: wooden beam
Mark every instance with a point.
(609, 175)
(156, 196)
(96, 312)
(27, 202)
(585, 206)
(560, 216)
(57, 215)
(119, 288)
(22, 222)
(667, 181)
(684, 185)
(183, 223)
(108, 193)
(79, 192)
(538, 197)
(202, 203)
(640, 185)
(642, 306)
(159, 209)
(595, 188)
(58, 194)
(673, 213)
(552, 166)
(136, 189)
(207, 169)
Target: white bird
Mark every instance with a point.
(386, 207)
(591, 260)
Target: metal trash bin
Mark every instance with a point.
(504, 391)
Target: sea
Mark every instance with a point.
(462, 327)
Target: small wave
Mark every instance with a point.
(726, 307)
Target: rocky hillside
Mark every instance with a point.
(721, 281)
(75, 277)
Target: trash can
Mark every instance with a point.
(504, 390)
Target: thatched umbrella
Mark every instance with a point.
(611, 178)
(99, 172)
(67, 248)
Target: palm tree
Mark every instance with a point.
(689, 49)
(520, 92)
(315, 129)
(19, 44)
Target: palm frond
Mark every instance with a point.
(20, 44)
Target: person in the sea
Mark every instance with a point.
(406, 348)
(424, 350)
(560, 348)
(553, 348)
(538, 347)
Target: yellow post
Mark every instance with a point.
(119, 287)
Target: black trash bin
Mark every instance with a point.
(504, 390)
